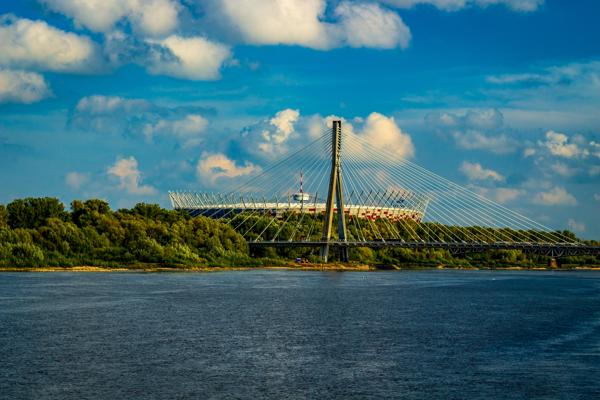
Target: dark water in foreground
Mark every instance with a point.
(284, 334)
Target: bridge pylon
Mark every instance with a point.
(335, 194)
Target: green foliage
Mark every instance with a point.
(33, 212)
(40, 232)
(309, 227)
(3, 216)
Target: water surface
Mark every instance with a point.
(295, 335)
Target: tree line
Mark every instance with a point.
(36, 232)
(40, 232)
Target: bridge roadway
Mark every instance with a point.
(545, 249)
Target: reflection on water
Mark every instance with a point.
(284, 334)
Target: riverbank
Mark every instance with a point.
(337, 267)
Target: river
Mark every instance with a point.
(300, 335)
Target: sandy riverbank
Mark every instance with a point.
(295, 267)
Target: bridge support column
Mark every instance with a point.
(335, 194)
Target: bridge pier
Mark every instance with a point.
(335, 194)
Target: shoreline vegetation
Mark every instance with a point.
(38, 234)
(315, 267)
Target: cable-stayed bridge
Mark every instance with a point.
(340, 191)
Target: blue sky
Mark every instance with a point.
(124, 100)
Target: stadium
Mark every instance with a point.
(392, 205)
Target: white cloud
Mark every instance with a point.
(455, 5)
(597, 196)
(563, 97)
(501, 195)
(384, 133)
(552, 75)
(278, 22)
(35, 44)
(212, 167)
(595, 149)
(150, 17)
(563, 169)
(558, 144)
(110, 114)
(369, 25)
(474, 130)
(576, 226)
(569, 156)
(475, 172)
(554, 197)
(475, 140)
(22, 87)
(129, 176)
(273, 141)
(76, 180)
(291, 22)
(529, 152)
(110, 105)
(194, 58)
(284, 121)
(505, 195)
(188, 129)
(288, 130)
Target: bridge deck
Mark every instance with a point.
(547, 249)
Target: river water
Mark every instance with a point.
(300, 335)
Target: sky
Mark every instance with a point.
(126, 99)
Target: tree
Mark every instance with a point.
(3, 216)
(85, 213)
(33, 212)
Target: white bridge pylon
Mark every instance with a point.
(384, 197)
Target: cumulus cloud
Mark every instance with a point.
(35, 44)
(555, 197)
(109, 105)
(194, 58)
(597, 196)
(475, 172)
(369, 25)
(455, 5)
(22, 87)
(76, 180)
(126, 171)
(189, 129)
(563, 169)
(505, 195)
(474, 130)
(213, 167)
(500, 195)
(383, 133)
(150, 17)
(303, 23)
(136, 117)
(569, 156)
(558, 145)
(273, 137)
(110, 114)
(280, 129)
